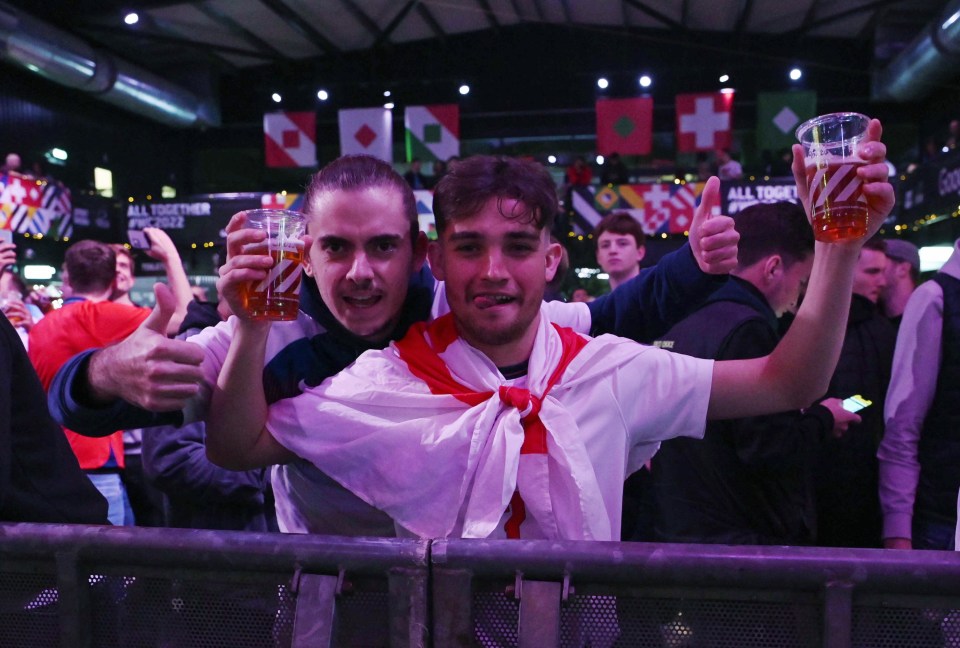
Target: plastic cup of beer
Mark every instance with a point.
(837, 203)
(8, 299)
(277, 298)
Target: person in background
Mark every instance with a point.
(579, 173)
(848, 506)
(581, 295)
(614, 171)
(749, 480)
(439, 170)
(415, 177)
(902, 276)
(11, 164)
(89, 319)
(727, 167)
(920, 450)
(620, 247)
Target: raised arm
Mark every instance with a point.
(163, 249)
(798, 371)
(236, 437)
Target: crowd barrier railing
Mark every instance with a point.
(102, 586)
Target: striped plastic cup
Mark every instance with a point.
(837, 204)
(277, 297)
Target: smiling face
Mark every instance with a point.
(124, 275)
(495, 268)
(362, 257)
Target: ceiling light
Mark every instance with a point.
(552, 159)
(645, 81)
(464, 89)
(323, 95)
(388, 105)
(276, 97)
(726, 90)
(386, 93)
(131, 18)
(724, 78)
(602, 83)
(795, 74)
(600, 159)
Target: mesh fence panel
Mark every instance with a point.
(29, 610)
(896, 627)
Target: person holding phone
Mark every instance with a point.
(749, 480)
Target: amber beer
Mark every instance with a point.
(277, 297)
(837, 203)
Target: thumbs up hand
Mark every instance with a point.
(712, 236)
(147, 368)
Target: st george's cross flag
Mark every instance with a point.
(432, 132)
(704, 121)
(367, 131)
(779, 114)
(624, 126)
(289, 139)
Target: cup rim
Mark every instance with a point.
(286, 213)
(810, 123)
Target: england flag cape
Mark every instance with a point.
(430, 432)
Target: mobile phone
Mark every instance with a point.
(6, 236)
(856, 403)
(138, 239)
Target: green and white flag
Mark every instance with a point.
(779, 114)
(433, 132)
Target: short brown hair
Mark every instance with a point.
(620, 223)
(91, 266)
(120, 248)
(358, 172)
(471, 182)
(772, 228)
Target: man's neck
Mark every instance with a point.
(622, 277)
(91, 296)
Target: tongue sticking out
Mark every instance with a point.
(488, 301)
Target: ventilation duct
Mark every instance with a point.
(69, 61)
(932, 58)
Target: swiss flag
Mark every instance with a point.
(704, 121)
(289, 139)
(624, 126)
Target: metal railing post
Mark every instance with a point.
(409, 625)
(539, 613)
(837, 614)
(73, 598)
(452, 605)
(314, 622)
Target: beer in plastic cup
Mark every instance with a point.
(7, 299)
(277, 297)
(837, 203)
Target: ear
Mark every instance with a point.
(420, 251)
(641, 252)
(435, 256)
(553, 256)
(772, 267)
(307, 265)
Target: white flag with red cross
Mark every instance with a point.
(367, 130)
(704, 121)
(289, 139)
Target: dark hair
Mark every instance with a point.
(17, 281)
(358, 172)
(773, 228)
(91, 266)
(876, 243)
(620, 223)
(120, 248)
(471, 182)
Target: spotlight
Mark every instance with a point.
(602, 83)
(276, 97)
(464, 89)
(795, 74)
(724, 78)
(645, 81)
(552, 159)
(323, 95)
(131, 18)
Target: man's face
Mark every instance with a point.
(496, 270)
(618, 254)
(786, 292)
(362, 258)
(869, 278)
(124, 275)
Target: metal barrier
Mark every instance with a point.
(78, 586)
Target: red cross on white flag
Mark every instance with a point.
(704, 121)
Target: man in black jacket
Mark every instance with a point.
(40, 478)
(749, 481)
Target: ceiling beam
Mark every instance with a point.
(539, 10)
(431, 21)
(565, 6)
(656, 15)
(204, 47)
(840, 15)
(218, 16)
(301, 26)
(395, 22)
(488, 12)
(808, 17)
(516, 9)
(363, 18)
(744, 18)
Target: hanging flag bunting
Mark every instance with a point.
(779, 114)
(289, 139)
(624, 126)
(660, 208)
(367, 130)
(432, 132)
(704, 121)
